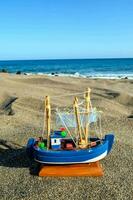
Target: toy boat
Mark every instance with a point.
(80, 146)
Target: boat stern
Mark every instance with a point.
(110, 139)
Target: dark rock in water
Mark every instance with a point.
(6, 105)
(4, 71)
(54, 74)
(18, 72)
(25, 74)
(126, 77)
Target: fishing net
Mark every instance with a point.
(68, 118)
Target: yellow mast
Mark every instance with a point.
(48, 119)
(76, 111)
(87, 107)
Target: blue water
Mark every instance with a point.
(74, 67)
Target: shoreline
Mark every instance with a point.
(75, 75)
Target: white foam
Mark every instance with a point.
(90, 76)
(95, 76)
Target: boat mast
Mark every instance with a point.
(87, 107)
(48, 119)
(76, 111)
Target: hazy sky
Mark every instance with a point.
(34, 29)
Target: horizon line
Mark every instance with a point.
(37, 59)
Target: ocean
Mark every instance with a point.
(93, 68)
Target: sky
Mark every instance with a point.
(50, 29)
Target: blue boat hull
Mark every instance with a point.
(71, 156)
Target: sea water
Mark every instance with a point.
(93, 68)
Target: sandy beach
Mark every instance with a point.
(18, 175)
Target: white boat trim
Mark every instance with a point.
(86, 161)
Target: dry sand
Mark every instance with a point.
(18, 179)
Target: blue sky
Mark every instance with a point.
(36, 29)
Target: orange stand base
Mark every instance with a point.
(91, 169)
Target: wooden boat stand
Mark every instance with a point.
(86, 169)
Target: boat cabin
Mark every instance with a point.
(55, 141)
(58, 141)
